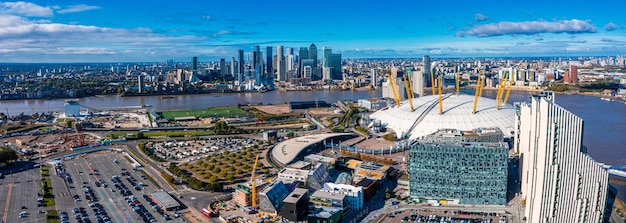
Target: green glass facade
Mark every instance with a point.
(468, 173)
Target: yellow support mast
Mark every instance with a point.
(479, 90)
(253, 182)
(501, 90)
(409, 89)
(394, 88)
(458, 79)
(508, 90)
(432, 80)
(440, 97)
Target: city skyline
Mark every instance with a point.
(57, 31)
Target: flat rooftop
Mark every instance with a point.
(294, 196)
(165, 200)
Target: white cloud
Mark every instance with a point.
(610, 26)
(78, 8)
(221, 33)
(480, 17)
(25, 9)
(530, 28)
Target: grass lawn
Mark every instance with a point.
(205, 113)
(52, 216)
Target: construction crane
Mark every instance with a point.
(394, 88)
(409, 89)
(458, 79)
(253, 181)
(432, 80)
(479, 90)
(440, 97)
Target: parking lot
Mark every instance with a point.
(105, 187)
(437, 215)
(18, 194)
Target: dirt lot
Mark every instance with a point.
(274, 109)
(324, 112)
(375, 143)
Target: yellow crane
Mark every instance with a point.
(479, 90)
(253, 182)
(440, 97)
(409, 89)
(432, 80)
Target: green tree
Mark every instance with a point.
(290, 134)
(387, 193)
(7, 155)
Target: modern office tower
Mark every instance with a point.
(426, 69)
(418, 82)
(289, 65)
(326, 52)
(256, 55)
(223, 69)
(387, 91)
(335, 66)
(456, 167)
(374, 78)
(288, 51)
(282, 75)
(181, 78)
(194, 63)
(326, 75)
(269, 56)
(141, 83)
(307, 72)
(303, 54)
(560, 182)
(313, 54)
(233, 68)
(242, 70)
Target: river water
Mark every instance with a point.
(604, 130)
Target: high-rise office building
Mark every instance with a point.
(141, 83)
(418, 82)
(303, 54)
(426, 70)
(374, 78)
(313, 54)
(268, 59)
(240, 77)
(326, 54)
(194, 63)
(560, 182)
(282, 75)
(223, 69)
(307, 72)
(289, 65)
(571, 75)
(256, 54)
(233, 68)
(336, 72)
(288, 51)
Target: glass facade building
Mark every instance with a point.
(459, 172)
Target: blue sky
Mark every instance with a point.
(157, 30)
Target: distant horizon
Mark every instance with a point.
(60, 32)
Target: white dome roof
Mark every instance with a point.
(457, 114)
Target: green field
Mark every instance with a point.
(205, 113)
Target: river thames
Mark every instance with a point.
(604, 130)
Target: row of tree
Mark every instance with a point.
(7, 155)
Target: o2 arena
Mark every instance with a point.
(456, 113)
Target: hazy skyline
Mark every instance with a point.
(93, 31)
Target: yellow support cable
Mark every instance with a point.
(482, 85)
(440, 97)
(501, 90)
(409, 91)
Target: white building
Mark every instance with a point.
(560, 182)
(293, 174)
(388, 92)
(354, 194)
